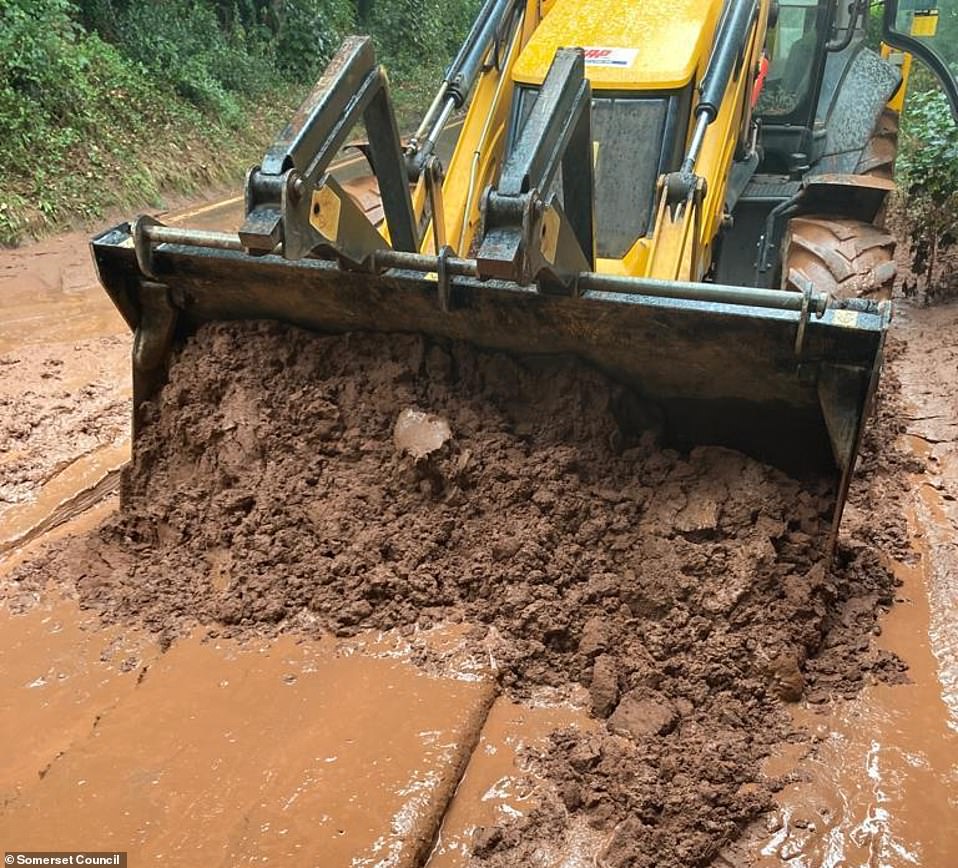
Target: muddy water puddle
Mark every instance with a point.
(936, 512)
(211, 751)
(215, 752)
(48, 294)
(60, 672)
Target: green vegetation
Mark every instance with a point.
(928, 183)
(112, 103)
(926, 210)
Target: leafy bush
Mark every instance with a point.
(415, 34)
(928, 181)
(308, 32)
(84, 127)
(108, 102)
(188, 49)
(44, 62)
(61, 92)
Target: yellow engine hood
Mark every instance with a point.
(647, 45)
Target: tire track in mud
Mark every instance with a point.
(928, 366)
(75, 489)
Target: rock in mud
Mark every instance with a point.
(787, 677)
(640, 716)
(420, 434)
(604, 689)
(595, 637)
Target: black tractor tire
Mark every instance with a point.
(844, 257)
(878, 157)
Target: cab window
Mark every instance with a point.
(627, 140)
(793, 47)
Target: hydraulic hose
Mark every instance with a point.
(728, 51)
(462, 72)
(460, 78)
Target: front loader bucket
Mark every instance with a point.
(785, 377)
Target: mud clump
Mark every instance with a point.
(275, 487)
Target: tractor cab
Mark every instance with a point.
(826, 136)
(825, 86)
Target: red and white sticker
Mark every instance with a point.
(599, 56)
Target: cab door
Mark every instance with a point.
(927, 29)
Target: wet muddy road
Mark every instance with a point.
(283, 751)
(879, 785)
(326, 753)
(65, 380)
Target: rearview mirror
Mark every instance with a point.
(927, 29)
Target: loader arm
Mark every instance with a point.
(691, 201)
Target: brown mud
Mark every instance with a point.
(64, 380)
(686, 594)
(876, 778)
(64, 398)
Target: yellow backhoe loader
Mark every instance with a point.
(684, 193)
